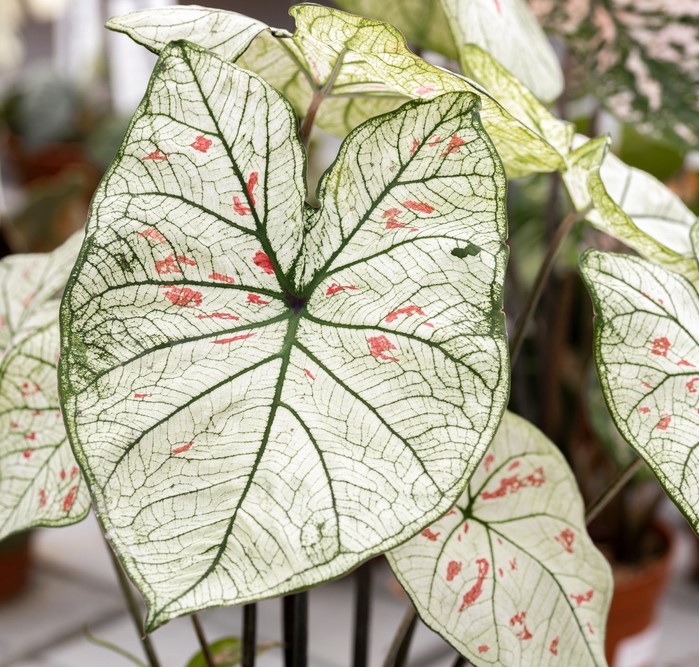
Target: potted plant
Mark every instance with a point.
(262, 394)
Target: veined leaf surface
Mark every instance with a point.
(40, 484)
(631, 205)
(647, 353)
(370, 70)
(509, 576)
(641, 59)
(263, 394)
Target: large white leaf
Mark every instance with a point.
(40, 484)
(631, 205)
(263, 394)
(647, 352)
(364, 69)
(509, 576)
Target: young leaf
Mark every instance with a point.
(632, 206)
(509, 575)
(40, 484)
(264, 395)
(641, 59)
(363, 68)
(647, 355)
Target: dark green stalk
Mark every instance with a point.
(201, 637)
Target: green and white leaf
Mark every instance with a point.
(263, 394)
(506, 29)
(632, 206)
(510, 576)
(647, 353)
(641, 59)
(370, 70)
(40, 484)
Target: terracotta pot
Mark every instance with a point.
(631, 640)
(15, 561)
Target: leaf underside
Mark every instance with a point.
(647, 353)
(509, 575)
(264, 395)
(40, 484)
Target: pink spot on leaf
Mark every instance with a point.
(182, 448)
(477, 589)
(183, 296)
(684, 362)
(30, 436)
(43, 498)
(501, 572)
(63, 475)
(30, 389)
(70, 498)
(513, 564)
(225, 341)
(488, 461)
(309, 374)
(250, 186)
(407, 311)
(153, 235)
(222, 278)
(335, 288)
(664, 423)
(483, 648)
(201, 144)
(414, 146)
(257, 300)
(455, 143)
(239, 207)
(514, 465)
(432, 537)
(379, 345)
(218, 316)
(579, 598)
(515, 483)
(263, 261)
(14, 425)
(392, 221)
(434, 141)
(692, 385)
(566, 539)
(425, 89)
(453, 569)
(418, 207)
(171, 264)
(498, 6)
(518, 619)
(156, 156)
(140, 397)
(660, 346)
(644, 410)
(553, 647)
(590, 629)
(27, 453)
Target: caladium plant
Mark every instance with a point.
(262, 394)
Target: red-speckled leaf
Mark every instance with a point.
(264, 395)
(40, 484)
(509, 576)
(647, 352)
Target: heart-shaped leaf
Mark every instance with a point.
(509, 576)
(641, 59)
(631, 205)
(647, 354)
(40, 484)
(361, 68)
(264, 395)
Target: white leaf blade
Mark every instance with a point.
(198, 380)
(509, 575)
(647, 356)
(40, 484)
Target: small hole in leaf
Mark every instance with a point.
(471, 250)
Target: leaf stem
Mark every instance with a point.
(319, 94)
(540, 282)
(249, 635)
(398, 652)
(362, 614)
(612, 490)
(296, 630)
(205, 649)
(112, 647)
(133, 608)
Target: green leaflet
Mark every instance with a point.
(640, 57)
(374, 72)
(262, 394)
(647, 355)
(632, 206)
(509, 576)
(445, 26)
(40, 484)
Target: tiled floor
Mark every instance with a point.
(74, 585)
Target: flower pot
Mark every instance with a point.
(15, 561)
(632, 632)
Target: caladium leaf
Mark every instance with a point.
(262, 394)
(364, 68)
(641, 59)
(509, 576)
(40, 484)
(632, 206)
(647, 353)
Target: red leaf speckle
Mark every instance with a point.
(182, 448)
(566, 539)
(455, 143)
(222, 278)
(660, 346)
(183, 296)
(70, 498)
(257, 300)
(225, 341)
(432, 537)
(263, 261)
(453, 569)
(379, 345)
(201, 144)
(418, 207)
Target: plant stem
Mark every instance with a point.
(134, 610)
(611, 491)
(205, 650)
(362, 613)
(401, 641)
(319, 94)
(249, 635)
(541, 278)
(296, 630)
(112, 647)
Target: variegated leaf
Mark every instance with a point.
(40, 484)
(372, 72)
(509, 575)
(641, 58)
(647, 352)
(262, 394)
(632, 206)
